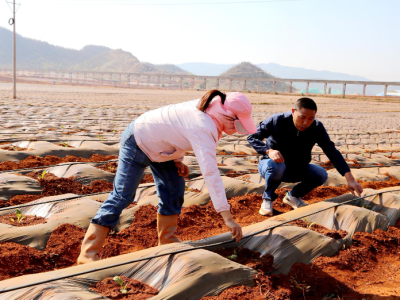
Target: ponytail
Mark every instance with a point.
(206, 99)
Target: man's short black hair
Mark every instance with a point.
(305, 103)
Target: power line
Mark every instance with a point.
(107, 2)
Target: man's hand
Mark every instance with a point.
(235, 228)
(183, 170)
(275, 155)
(354, 186)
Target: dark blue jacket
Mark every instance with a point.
(294, 145)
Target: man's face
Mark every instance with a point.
(303, 118)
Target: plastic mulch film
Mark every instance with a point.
(188, 275)
(77, 212)
(287, 244)
(386, 204)
(392, 171)
(12, 185)
(346, 217)
(84, 149)
(82, 173)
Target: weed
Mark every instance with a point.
(64, 144)
(118, 280)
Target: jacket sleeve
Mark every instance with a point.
(256, 140)
(324, 141)
(205, 148)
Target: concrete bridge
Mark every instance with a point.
(174, 81)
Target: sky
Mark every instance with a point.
(357, 37)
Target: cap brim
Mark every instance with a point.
(245, 126)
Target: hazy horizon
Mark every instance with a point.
(356, 38)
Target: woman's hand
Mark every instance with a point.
(235, 228)
(183, 170)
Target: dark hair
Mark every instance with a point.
(206, 99)
(305, 103)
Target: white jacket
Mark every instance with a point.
(167, 132)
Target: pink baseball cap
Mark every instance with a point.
(241, 107)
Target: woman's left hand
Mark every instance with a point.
(183, 170)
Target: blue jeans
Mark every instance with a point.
(274, 173)
(131, 164)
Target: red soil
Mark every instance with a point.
(232, 173)
(136, 290)
(147, 178)
(366, 270)
(352, 163)
(62, 250)
(36, 161)
(322, 193)
(222, 153)
(65, 145)
(249, 258)
(14, 148)
(240, 154)
(68, 185)
(12, 219)
(64, 245)
(194, 191)
(53, 185)
(17, 260)
(335, 234)
(19, 199)
(109, 167)
(198, 222)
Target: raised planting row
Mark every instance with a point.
(65, 241)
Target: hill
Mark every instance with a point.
(34, 54)
(246, 69)
(277, 70)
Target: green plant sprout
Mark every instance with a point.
(364, 204)
(19, 215)
(233, 256)
(64, 144)
(41, 176)
(118, 280)
(309, 224)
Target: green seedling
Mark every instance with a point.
(118, 280)
(309, 224)
(64, 144)
(233, 256)
(19, 215)
(364, 204)
(41, 176)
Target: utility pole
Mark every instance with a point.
(14, 58)
(12, 22)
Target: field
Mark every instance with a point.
(59, 149)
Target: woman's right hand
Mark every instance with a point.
(235, 228)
